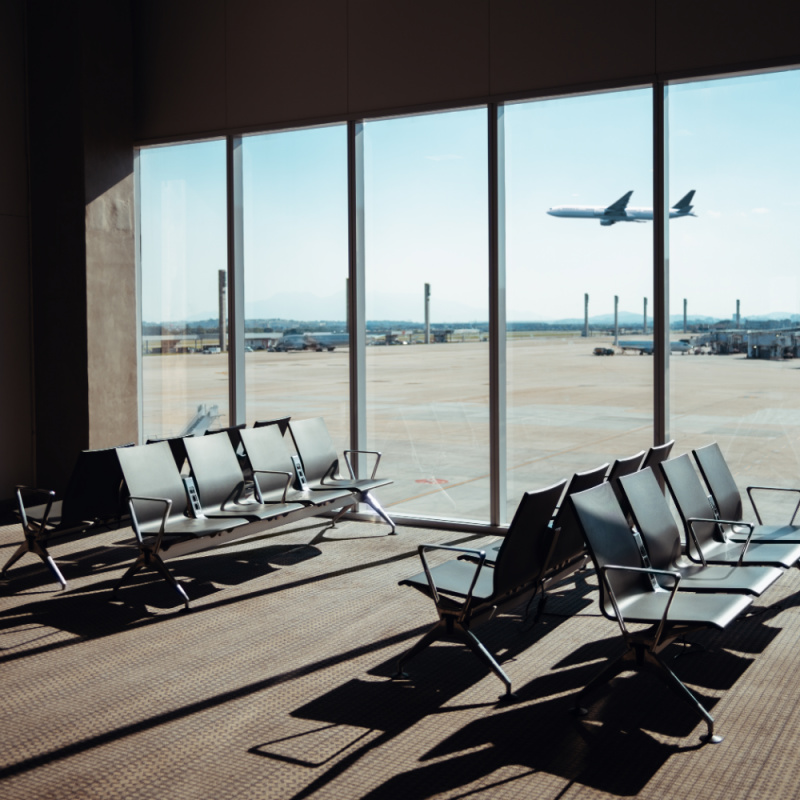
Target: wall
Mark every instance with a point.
(16, 450)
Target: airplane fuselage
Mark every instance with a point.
(599, 212)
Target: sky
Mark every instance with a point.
(733, 140)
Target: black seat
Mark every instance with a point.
(219, 482)
(158, 507)
(705, 532)
(627, 595)
(654, 456)
(320, 465)
(274, 472)
(728, 501)
(467, 593)
(662, 540)
(93, 498)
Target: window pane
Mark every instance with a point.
(426, 223)
(734, 140)
(570, 165)
(184, 262)
(295, 257)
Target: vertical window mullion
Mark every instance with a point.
(236, 383)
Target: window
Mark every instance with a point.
(183, 231)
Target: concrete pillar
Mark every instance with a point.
(684, 315)
(644, 324)
(616, 320)
(427, 313)
(586, 315)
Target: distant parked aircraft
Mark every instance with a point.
(619, 211)
(646, 347)
(312, 341)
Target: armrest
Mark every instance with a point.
(649, 571)
(257, 472)
(364, 452)
(751, 489)
(21, 506)
(479, 554)
(164, 517)
(718, 521)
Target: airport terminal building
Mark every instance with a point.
(214, 212)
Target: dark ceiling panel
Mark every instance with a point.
(718, 33)
(417, 52)
(286, 61)
(179, 51)
(539, 46)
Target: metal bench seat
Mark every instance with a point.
(628, 595)
(705, 532)
(728, 501)
(467, 594)
(662, 540)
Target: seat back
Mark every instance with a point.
(570, 541)
(610, 541)
(94, 491)
(150, 471)
(623, 466)
(655, 456)
(719, 480)
(522, 558)
(281, 422)
(234, 434)
(315, 448)
(652, 517)
(215, 469)
(690, 500)
(267, 450)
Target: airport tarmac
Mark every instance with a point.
(568, 410)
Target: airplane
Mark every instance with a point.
(619, 211)
(646, 347)
(312, 341)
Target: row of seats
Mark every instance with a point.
(635, 545)
(222, 496)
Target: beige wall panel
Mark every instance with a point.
(545, 45)
(179, 52)
(716, 34)
(13, 172)
(111, 317)
(286, 61)
(16, 439)
(417, 52)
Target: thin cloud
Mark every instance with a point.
(759, 210)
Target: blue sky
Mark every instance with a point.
(733, 140)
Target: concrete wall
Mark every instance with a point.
(16, 396)
(210, 66)
(82, 246)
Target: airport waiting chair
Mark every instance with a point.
(320, 465)
(728, 502)
(628, 595)
(467, 593)
(704, 531)
(654, 456)
(176, 447)
(158, 504)
(659, 540)
(217, 488)
(93, 498)
(274, 474)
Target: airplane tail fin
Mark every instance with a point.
(620, 204)
(685, 203)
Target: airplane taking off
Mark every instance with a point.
(619, 211)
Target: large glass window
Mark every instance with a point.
(579, 189)
(295, 270)
(427, 388)
(736, 266)
(183, 229)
